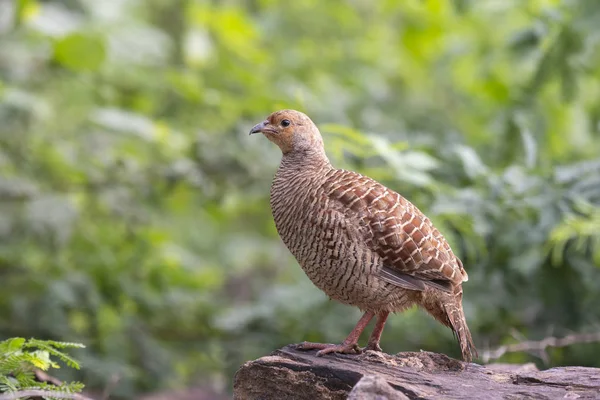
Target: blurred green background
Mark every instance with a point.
(134, 213)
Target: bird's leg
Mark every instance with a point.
(376, 334)
(348, 346)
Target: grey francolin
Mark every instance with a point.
(358, 241)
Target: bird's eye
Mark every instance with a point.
(285, 123)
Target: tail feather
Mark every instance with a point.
(457, 322)
(447, 308)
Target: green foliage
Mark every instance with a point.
(80, 52)
(19, 358)
(134, 207)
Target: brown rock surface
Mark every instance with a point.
(376, 388)
(291, 374)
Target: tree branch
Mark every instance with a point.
(42, 393)
(539, 346)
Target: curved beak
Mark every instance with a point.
(258, 128)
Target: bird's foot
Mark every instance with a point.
(326, 348)
(373, 346)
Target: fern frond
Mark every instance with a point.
(8, 384)
(11, 345)
(25, 377)
(55, 344)
(20, 358)
(12, 362)
(71, 362)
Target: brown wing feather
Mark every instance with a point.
(399, 232)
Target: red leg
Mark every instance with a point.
(348, 346)
(376, 334)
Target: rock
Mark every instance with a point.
(374, 387)
(513, 368)
(291, 374)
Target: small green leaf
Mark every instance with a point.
(15, 344)
(80, 52)
(26, 9)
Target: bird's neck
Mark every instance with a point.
(311, 161)
(299, 178)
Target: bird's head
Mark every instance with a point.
(292, 131)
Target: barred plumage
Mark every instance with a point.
(358, 241)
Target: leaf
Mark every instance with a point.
(50, 347)
(15, 344)
(529, 146)
(26, 9)
(573, 172)
(526, 40)
(124, 121)
(80, 52)
(51, 19)
(472, 164)
(40, 359)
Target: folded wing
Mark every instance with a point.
(414, 252)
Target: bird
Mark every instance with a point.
(358, 241)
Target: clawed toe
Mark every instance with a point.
(340, 348)
(373, 347)
(326, 348)
(312, 346)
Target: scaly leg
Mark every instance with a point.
(348, 346)
(376, 334)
